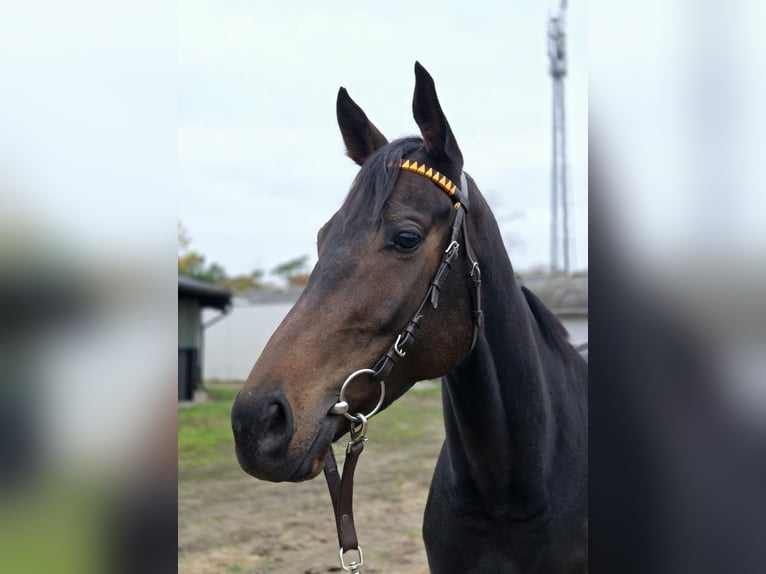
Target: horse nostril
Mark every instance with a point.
(262, 424)
(275, 428)
(276, 418)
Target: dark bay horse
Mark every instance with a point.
(509, 493)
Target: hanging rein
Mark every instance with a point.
(342, 488)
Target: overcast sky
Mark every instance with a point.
(261, 160)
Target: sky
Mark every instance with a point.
(261, 163)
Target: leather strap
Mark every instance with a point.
(407, 337)
(342, 495)
(342, 487)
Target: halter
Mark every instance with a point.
(341, 488)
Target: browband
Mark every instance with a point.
(458, 196)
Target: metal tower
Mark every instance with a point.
(559, 197)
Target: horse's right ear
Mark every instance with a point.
(359, 134)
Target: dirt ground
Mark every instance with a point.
(230, 522)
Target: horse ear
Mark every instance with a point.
(359, 134)
(437, 135)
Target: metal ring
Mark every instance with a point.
(342, 399)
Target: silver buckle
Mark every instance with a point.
(354, 566)
(398, 350)
(358, 434)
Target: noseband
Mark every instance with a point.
(341, 489)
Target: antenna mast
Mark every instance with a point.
(559, 197)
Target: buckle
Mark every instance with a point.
(354, 566)
(397, 349)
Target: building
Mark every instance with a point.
(193, 297)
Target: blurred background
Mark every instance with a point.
(88, 230)
(678, 393)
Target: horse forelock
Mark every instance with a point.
(376, 180)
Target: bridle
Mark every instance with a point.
(341, 488)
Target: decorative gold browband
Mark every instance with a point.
(439, 179)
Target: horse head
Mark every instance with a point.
(378, 257)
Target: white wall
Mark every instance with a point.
(233, 344)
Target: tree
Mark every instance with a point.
(294, 272)
(192, 264)
(246, 282)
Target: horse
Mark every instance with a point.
(413, 259)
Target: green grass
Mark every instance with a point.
(408, 418)
(204, 430)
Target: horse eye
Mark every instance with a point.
(407, 241)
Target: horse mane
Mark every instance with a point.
(552, 329)
(375, 182)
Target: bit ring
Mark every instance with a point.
(341, 407)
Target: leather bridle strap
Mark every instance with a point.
(406, 338)
(477, 313)
(342, 495)
(342, 487)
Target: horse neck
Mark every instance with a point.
(497, 404)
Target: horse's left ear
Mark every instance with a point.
(437, 135)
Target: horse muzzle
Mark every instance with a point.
(263, 426)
